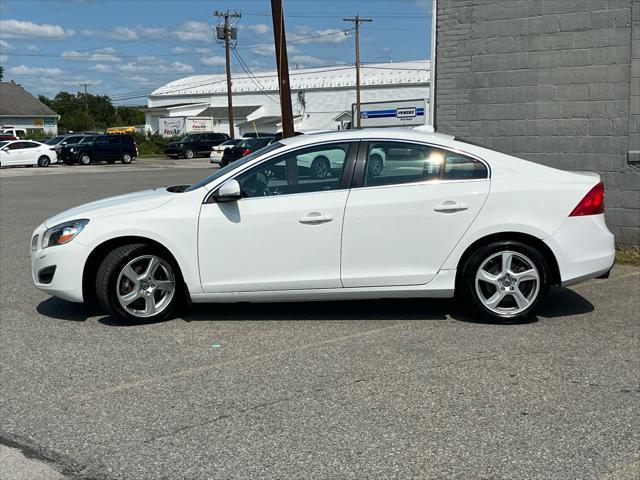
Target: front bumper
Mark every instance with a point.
(583, 247)
(68, 260)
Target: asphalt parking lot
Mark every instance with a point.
(376, 389)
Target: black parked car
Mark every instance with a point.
(245, 147)
(194, 144)
(99, 148)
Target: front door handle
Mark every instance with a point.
(451, 207)
(316, 218)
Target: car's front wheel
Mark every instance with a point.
(188, 154)
(505, 281)
(85, 159)
(138, 284)
(320, 167)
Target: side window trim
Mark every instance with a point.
(359, 173)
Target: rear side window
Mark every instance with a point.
(397, 163)
(114, 140)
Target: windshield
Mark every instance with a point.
(87, 140)
(189, 138)
(2, 144)
(231, 142)
(233, 165)
(55, 140)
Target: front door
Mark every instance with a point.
(285, 233)
(413, 205)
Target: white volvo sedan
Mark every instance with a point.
(441, 217)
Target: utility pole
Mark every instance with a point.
(283, 71)
(86, 104)
(356, 22)
(226, 36)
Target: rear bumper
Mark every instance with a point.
(583, 247)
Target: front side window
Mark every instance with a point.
(314, 169)
(114, 140)
(396, 163)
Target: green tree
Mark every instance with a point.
(1, 72)
(95, 113)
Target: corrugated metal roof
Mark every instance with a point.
(15, 100)
(222, 112)
(400, 73)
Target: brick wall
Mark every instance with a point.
(552, 81)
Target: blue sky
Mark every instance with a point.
(127, 48)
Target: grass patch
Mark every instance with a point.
(628, 256)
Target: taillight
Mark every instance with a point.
(246, 151)
(592, 203)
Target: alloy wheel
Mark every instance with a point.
(507, 283)
(146, 286)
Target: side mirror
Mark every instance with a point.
(229, 192)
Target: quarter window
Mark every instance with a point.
(395, 163)
(314, 169)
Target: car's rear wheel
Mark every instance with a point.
(85, 159)
(44, 161)
(320, 167)
(127, 158)
(376, 164)
(138, 284)
(188, 153)
(505, 281)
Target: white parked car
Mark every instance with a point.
(26, 152)
(217, 151)
(443, 217)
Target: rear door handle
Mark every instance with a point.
(316, 218)
(451, 207)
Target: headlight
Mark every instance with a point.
(63, 233)
(71, 150)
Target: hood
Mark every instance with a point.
(129, 203)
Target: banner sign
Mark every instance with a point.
(171, 126)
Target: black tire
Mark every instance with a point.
(320, 167)
(188, 154)
(44, 161)
(109, 274)
(127, 158)
(376, 165)
(111, 161)
(487, 256)
(84, 159)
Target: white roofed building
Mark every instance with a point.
(322, 97)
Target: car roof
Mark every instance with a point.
(370, 134)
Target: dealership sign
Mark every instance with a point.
(400, 113)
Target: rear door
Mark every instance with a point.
(411, 205)
(101, 149)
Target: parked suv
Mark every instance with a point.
(99, 148)
(195, 144)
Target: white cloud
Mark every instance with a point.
(213, 61)
(23, 29)
(180, 50)
(146, 66)
(265, 50)
(123, 33)
(307, 60)
(3, 58)
(33, 48)
(103, 55)
(139, 79)
(24, 70)
(195, 32)
(259, 28)
(5, 45)
(327, 35)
